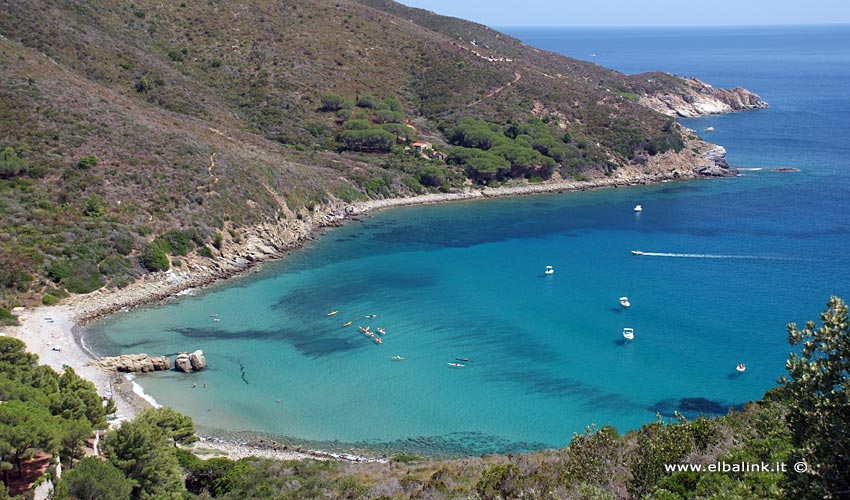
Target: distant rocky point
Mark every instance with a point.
(697, 98)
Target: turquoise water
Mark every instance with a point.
(744, 256)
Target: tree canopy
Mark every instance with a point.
(817, 390)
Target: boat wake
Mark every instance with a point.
(708, 256)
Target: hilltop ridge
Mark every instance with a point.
(142, 136)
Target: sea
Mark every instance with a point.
(728, 264)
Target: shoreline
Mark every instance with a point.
(54, 333)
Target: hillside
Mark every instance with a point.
(137, 136)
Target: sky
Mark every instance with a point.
(641, 12)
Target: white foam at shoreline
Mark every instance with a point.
(141, 392)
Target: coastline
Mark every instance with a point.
(54, 332)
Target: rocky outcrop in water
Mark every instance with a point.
(715, 163)
(134, 363)
(697, 98)
(188, 363)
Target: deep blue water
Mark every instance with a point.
(466, 280)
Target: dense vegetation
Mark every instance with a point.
(125, 122)
(803, 421)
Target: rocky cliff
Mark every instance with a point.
(696, 98)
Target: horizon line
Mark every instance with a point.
(673, 26)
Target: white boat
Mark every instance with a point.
(549, 270)
(638, 208)
(637, 252)
(456, 365)
(741, 367)
(709, 129)
(624, 301)
(629, 333)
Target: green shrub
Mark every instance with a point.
(122, 242)
(58, 292)
(84, 278)
(114, 265)
(10, 164)
(332, 102)
(153, 258)
(392, 104)
(406, 458)
(218, 239)
(366, 101)
(58, 270)
(94, 206)
(49, 300)
(387, 116)
(356, 125)
(400, 131)
(87, 162)
(7, 318)
(205, 251)
(374, 139)
(176, 242)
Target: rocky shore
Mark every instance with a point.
(697, 98)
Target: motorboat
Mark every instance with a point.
(465, 360)
(741, 368)
(629, 333)
(397, 358)
(382, 331)
(332, 313)
(624, 301)
(549, 270)
(638, 208)
(456, 365)
(637, 252)
(347, 323)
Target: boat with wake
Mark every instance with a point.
(637, 252)
(397, 358)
